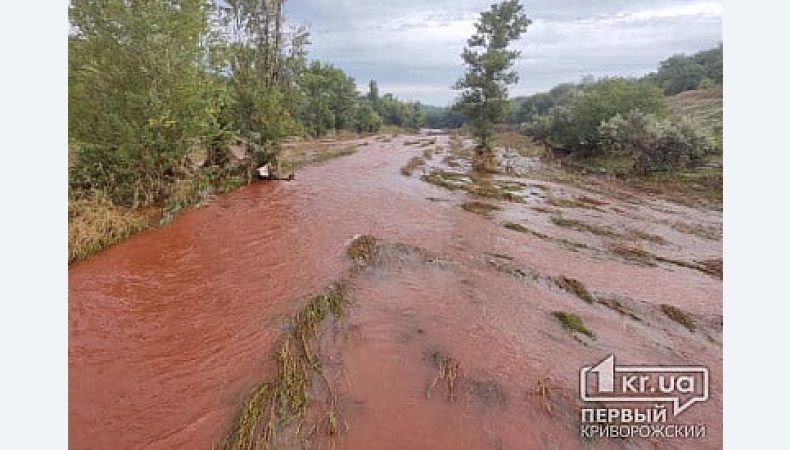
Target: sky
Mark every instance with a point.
(412, 47)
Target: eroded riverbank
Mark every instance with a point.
(170, 330)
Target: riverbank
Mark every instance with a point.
(96, 223)
(456, 314)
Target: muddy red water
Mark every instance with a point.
(169, 330)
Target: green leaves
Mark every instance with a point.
(489, 68)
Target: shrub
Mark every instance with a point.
(655, 145)
(575, 125)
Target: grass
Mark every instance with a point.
(481, 208)
(639, 234)
(518, 227)
(284, 398)
(448, 180)
(579, 202)
(333, 153)
(499, 190)
(679, 316)
(714, 266)
(410, 166)
(616, 305)
(96, 223)
(573, 323)
(583, 226)
(522, 144)
(707, 232)
(448, 369)
(633, 252)
(363, 248)
(575, 287)
(574, 246)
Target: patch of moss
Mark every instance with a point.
(573, 323)
(575, 287)
(679, 316)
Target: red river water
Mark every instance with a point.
(170, 329)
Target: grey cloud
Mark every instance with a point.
(413, 47)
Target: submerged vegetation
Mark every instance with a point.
(363, 248)
(572, 322)
(575, 287)
(282, 400)
(679, 316)
(484, 209)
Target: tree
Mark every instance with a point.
(139, 97)
(489, 71)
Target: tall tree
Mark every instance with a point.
(489, 70)
(139, 98)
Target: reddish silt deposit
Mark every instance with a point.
(169, 330)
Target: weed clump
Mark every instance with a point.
(616, 305)
(573, 323)
(575, 287)
(335, 153)
(634, 253)
(448, 370)
(713, 266)
(582, 226)
(95, 223)
(275, 403)
(679, 316)
(481, 208)
(412, 165)
(517, 227)
(363, 248)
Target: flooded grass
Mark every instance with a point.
(573, 323)
(413, 164)
(574, 287)
(706, 232)
(448, 370)
(679, 316)
(583, 227)
(448, 180)
(649, 237)
(633, 252)
(616, 305)
(571, 245)
(484, 209)
(95, 223)
(334, 153)
(281, 401)
(363, 248)
(475, 184)
(714, 266)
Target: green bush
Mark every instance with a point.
(654, 144)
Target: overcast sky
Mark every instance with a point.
(412, 47)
